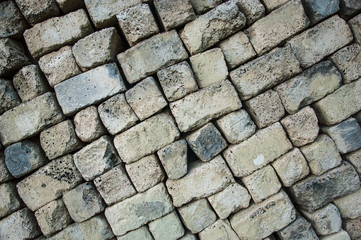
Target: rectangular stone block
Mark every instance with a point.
(200, 107)
(89, 88)
(149, 56)
(38, 11)
(12, 56)
(29, 118)
(202, 180)
(252, 9)
(54, 33)
(257, 151)
(10, 201)
(353, 227)
(318, 10)
(350, 205)
(277, 26)
(138, 210)
(300, 229)
(221, 229)
(12, 22)
(273, 4)
(355, 25)
(167, 227)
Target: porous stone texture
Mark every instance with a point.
(4, 172)
(353, 227)
(273, 4)
(12, 22)
(56, 33)
(318, 10)
(9, 97)
(349, 206)
(252, 9)
(354, 158)
(12, 56)
(300, 229)
(10, 201)
(167, 227)
(212, 27)
(262, 148)
(337, 236)
(49, 182)
(96, 158)
(355, 25)
(38, 11)
(141, 233)
(201, 6)
(221, 229)
(69, 5)
(88, 125)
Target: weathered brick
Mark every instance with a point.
(167, 227)
(321, 40)
(265, 72)
(29, 118)
(350, 205)
(355, 159)
(316, 191)
(10, 201)
(12, 56)
(38, 11)
(355, 25)
(341, 235)
(146, 137)
(318, 10)
(141, 233)
(277, 27)
(300, 229)
(89, 88)
(212, 27)
(4, 172)
(200, 107)
(69, 5)
(252, 9)
(257, 151)
(202, 180)
(138, 210)
(221, 229)
(57, 33)
(349, 7)
(9, 98)
(88, 126)
(12, 22)
(49, 182)
(262, 219)
(149, 56)
(353, 227)
(201, 6)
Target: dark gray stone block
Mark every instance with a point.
(319, 9)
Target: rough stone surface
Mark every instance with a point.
(189, 235)
(341, 235)
(69, 5)
(96, 158)
(266, 108)
(273, 4)
(88, 125)
(355, 159)
(206, 142)
(141, 233)
(198, 108)
(315, 192)
(265, 72)
(38, 11)
(149, 56)
(201, 6)
(146, 137)
(277, 27)
(252, 9)
(260, 220)
(350, 205)
(221, 229)
(138, 210)
(323, 39)
(262, 148)
(12, 22)
(353, 228)
(10, 201)
(302, 127)
(355, 25)
(89, 88)
(203, 212)
(349, 7)
(310, 86)
(174, 159)
(230, 200)
(4, 172)
(29, 118)
(12, 56)
(202, 180)
(53, 33)
(167, 228)
(49, 182)
(212, 27)
(300, 229)
(318, 10)
(97, 48)
(9, 97)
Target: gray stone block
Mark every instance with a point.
(8, 96)
(320, 9)
(12, 22)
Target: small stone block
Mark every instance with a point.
(252, 9)
(221, 229)
(167, 227)
(318, 10)
(201, 6)
(349, 7)
(273, 4)
(355, 159)
(36, 11)
(12, 56)
(355, 25)
(8, 96)
(88, 125)
(67, 6)
(12, 22)
(141, 233)
(300, 229)
(4, 172)
(353, 227)
(350, 205)
(10, 201)
(341, 235)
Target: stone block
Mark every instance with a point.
(116, 114)
(314, 44)
(177, 81)
(97, 49)
(302, 127)
(88, 125)
(300, 229)
(355, 25)
(24, 157)
(221, 229)
(174, 14)
(353, 228)
(349, 7)
(10, 201)
(348, 61)
(341, 235)
(146, 98)
(252, 9)
(53, 217)
(83, 202)
(266, 108)
(174, 159)
(237, 50)
(350, 205)
(29, 118)
(265, 72)
(273, 4)
(12, 22)
(311, 85)
(189, 235)
(145, 173)
(138, 210)
(277, 26)
(315, 192)
(230, 200)
(12, 56)
(209, 67)
(151, 55)
(167, 228)
(202, 6)
(49, 182)
(206, 142)
(257, 151)
(4, 172)
(38, 11)
(19, 225)
(319, 10)
(146, 138)
(262, 219)
(57, 33)
(326, 220)
(67, 6)
(355, 159)
(346, 135)
(96, 158)
(291, 167)
(212, 27)
(197, 215)
(198, 108)
(141, 233)
(59, 140)
(9, 98)
(114, 185)
(59, 65)
(89, 88)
